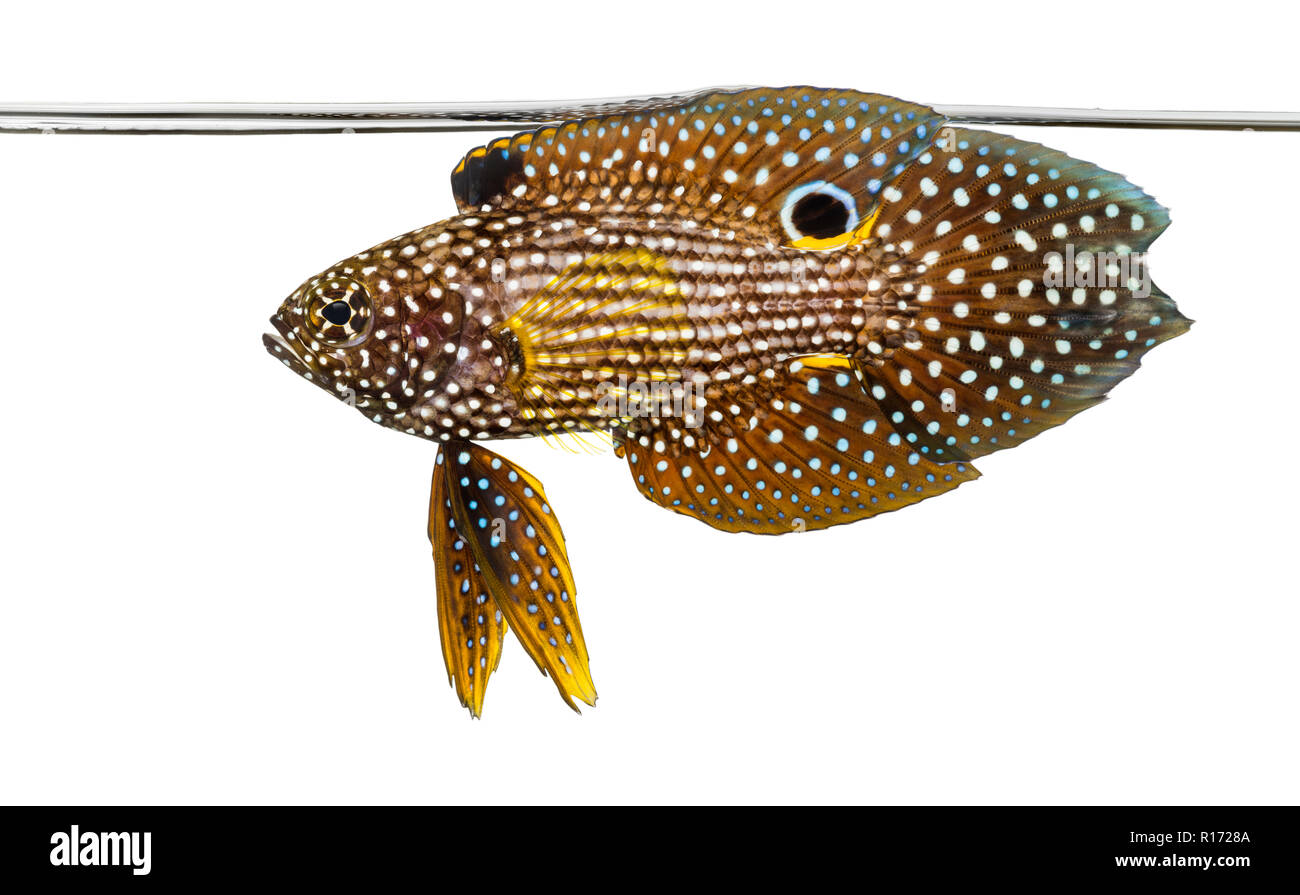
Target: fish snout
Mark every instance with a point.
(284, 346)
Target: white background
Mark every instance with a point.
(1108, 616)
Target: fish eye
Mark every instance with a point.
(339, 311)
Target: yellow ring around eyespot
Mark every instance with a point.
(834, 242)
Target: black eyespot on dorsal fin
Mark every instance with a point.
(820, 215)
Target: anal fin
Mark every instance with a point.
(815, 451)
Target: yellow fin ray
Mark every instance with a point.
(578, 334)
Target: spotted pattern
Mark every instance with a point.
(470, 624)
(400, 338)
(501, 513)
(982, 353)
(641, 315)
(816, 453)
(855, 293)
(731, 158)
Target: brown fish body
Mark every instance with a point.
(721, 307)
(792, 308)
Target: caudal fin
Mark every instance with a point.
(1030, 296)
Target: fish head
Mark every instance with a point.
(378, 330)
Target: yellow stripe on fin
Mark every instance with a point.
(860, 234)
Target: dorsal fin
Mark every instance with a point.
(798, 166)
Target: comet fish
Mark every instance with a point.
(791, 308)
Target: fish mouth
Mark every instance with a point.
(281, 345)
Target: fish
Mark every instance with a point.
(787, 308)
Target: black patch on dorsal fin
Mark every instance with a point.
(487, 172)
